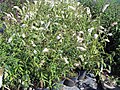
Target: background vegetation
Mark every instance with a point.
(110, 20)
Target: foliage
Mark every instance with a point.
(110, 20)
(49, 39)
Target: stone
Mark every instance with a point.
(70, 88)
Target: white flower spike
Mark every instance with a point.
(81, 48)
(35, 52)
(45, 50)
(107, 40)
(95, 36)
(23, 35)
(33, 44)
(105, 7)
(10, 39)
(66, 60)
(90, 30)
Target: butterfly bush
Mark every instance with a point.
(48, 41)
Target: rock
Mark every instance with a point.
(42, 89)
(68, 82)
(116, 88)
(70, 88)
(81, 75)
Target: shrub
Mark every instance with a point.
(110, 20)
(49, 40)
